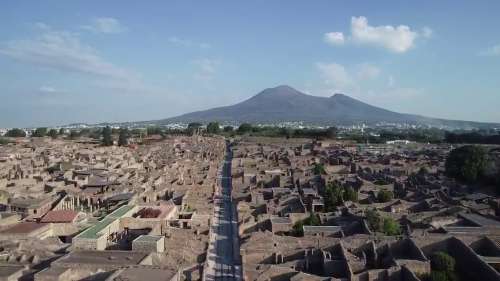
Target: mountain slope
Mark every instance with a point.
(285, 104)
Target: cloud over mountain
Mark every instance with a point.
(397, 39)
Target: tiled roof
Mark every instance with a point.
(23, 228)
(60, 216)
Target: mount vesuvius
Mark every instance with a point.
(286, 104)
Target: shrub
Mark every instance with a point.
(438, 276)
(319, 169)
(441, 261)
(385, 195)
(373, 219)
(391, 227)
(312, 220)
(297, 229)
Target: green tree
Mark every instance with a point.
(442, 261)
(298, 229)
(374, 220)
(193, 126)
(319, 169)
(137, 132)
(213, 128)
(228, 129)
(123, 137)
(40, 132)
(85, 132)
(350, 194)
(423, 171)
(62, 131)
(244, 128)
(95, 133)
(312, 220)
(331, 132)
(384, 196)
(333, 197)
(15, 133)
(442, 267)
(3, 141)
(73, 134)
(52, 133)
(107, 140)
(438, 276)
(153, 130)
(391, 227)
(466, 163)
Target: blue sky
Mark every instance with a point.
(95, 61)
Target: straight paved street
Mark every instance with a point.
(223, 261)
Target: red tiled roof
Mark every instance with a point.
(23, 228)
(60, 216)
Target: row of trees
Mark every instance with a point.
(38, 132)
(418, 135)
(15, 133)
(472, 138)
(432, 135)
(105, 134)
(123, 136)
(271, 131)
(268, 131)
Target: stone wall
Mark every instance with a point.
(469, 264)
(98, 244)
(149, 246)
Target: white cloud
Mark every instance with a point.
(345, 79)
(187, 43)
(47, 89)
(334, 38)
(65, 52)
(367, 71)
(427, 32)
(41, 26)
(335, 74)
(363, 81)
(401, 93)
(204, 45)
(491, 51)
(178, 41)
(390, 81)
(105, 25)
(397, 39)
(206, 68)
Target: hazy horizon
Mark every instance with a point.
(71, 62)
